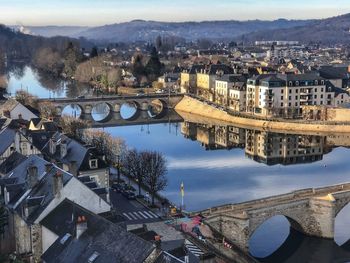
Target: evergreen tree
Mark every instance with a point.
(72, 57)
(154, 66)
(94, 52)
(138, 69)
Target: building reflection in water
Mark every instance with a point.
(262, 146)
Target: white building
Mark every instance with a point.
(284, 94)
(230, 90)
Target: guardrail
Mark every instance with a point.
(308, 192)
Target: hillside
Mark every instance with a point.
(328, 31)
(149, 30)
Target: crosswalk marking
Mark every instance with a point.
(148, 214)
(125, 214)
(144, 216)
(138, 215)
(193, 248)
(153, 214)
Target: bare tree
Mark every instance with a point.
(72, 126)
(113, 148)
(134, 166)
(47, 110)
(26, 98)
(155, 171)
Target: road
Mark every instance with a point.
(132, 210)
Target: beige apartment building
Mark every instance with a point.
(230, 91)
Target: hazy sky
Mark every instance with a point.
(100, 12)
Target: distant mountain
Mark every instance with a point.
(149, 30)
(327, 31)
(51, 31)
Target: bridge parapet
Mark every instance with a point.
(311, 211)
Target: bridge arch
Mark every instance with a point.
(277, 228)
(130, 110)
(157, 108)
(101, 111)
(73, 109)
(341, 223)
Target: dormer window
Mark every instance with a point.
(316, 82)
(297, 83)
(93, 163)
(322, 82)
(290, 84)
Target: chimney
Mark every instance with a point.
(63, 148)
(32, 176)
(73, 168)
(81, 226)
(52, 145)
(48, 167)
(57, 184)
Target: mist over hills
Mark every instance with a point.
(141, 30)
(329, 30)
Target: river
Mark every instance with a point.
(225, 164)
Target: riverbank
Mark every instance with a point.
(193, 106)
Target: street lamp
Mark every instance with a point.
(118, 168)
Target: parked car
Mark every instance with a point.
(117, 187)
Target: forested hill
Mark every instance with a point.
(328, 31)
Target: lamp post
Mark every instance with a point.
(118, 168)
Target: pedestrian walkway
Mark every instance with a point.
(193, 248)
(139, 215)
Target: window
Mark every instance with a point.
(281, 97)
(281, 91)
(296, 91)
(290, 98)
(290, 104)
(290, 91)
(296, 97)
(296, 104)
(315, 96)
(281, 104)
(321, 96)
(316, 82)
(297, 83)
(93, 163)
(321, 89)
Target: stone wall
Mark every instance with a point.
(193, 106)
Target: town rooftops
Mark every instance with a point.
(24, 188)
(75, 152)
(109, 242)
(280, 80)
(7, 137)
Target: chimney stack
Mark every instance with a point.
(32, 176)
(63, 148)
(57, 184)
(48, 167)
(81, 226)
(52, 145)
(73, 168)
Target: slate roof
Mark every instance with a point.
(112, 242)
(7, 137)
(40, 138)
(22, 194)
(76, 152)
(12, 162)
(330, 72)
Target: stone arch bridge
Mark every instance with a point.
(114, 103)
(310, 211)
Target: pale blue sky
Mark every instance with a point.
(100, 12)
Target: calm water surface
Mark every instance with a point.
(214, 175)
